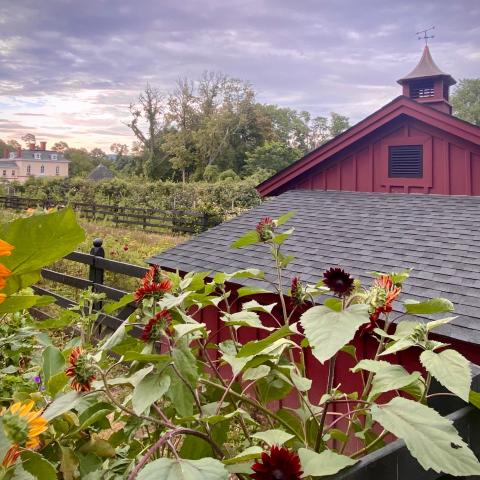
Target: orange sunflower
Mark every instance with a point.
(381, 296)
(80, 370)
(22, 426)
(5, 251)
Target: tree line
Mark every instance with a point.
(215, 127)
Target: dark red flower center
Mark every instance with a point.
(279, 463)
(338, 281)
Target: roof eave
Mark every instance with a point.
(450, 80)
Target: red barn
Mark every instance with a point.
(353, 211)
(411, 145)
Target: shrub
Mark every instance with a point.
(228, 175)
(221, 196)
(211, 173)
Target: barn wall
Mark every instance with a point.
(451, 165)
(366, 347)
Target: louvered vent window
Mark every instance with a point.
(422, 89)
(405, 161)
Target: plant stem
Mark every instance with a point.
(122, 407)
(368, 384)
(370, 445)
(341, 417)
(427, 387)
(330, 380)
(275, 253)
(256, 405)
(234, 403)
(165, 439)
(442, 394)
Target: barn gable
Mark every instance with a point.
(358, 159)
(411, 145)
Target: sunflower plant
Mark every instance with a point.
(173, 395)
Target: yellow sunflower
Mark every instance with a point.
(22, 426)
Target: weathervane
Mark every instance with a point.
(425, 36)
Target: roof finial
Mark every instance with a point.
(425, 36)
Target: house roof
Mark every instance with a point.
(426, 68)
(7, 164)
(100, 172)
(437, 236)
(399, 106)
(45, 155)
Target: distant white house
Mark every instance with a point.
(33, 162)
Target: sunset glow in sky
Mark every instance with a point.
(69, 68)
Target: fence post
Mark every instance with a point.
(205, 221)
(95, 274)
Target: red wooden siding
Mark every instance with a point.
(451, 165)
(366, 347)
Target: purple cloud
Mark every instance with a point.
(341, 55)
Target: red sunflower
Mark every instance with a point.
(157, 326)
(265, 228)
(296, 291)
(152, 284)
(382, 295)
(278, 464)
(338, 281)
(81, 371)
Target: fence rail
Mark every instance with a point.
(98, 265)
(149, 219)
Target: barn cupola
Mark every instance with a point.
(427, 84)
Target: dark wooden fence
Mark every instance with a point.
(98, 265)
(149, 219)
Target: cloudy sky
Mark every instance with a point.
(70, 68)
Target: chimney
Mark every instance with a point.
(6, 153)
(43, 145)
(31, 146)
(19, 152)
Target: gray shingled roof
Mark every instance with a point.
(100, 172)
(437, 236)
(45, 155)
(8, 164)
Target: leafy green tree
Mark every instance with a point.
(337, 124)
(119, 149)
(283, 125)
(81, 164)
(466, 100)
(227, 125)
(97, 155)
(272, 156)
(147, 124)
(217, 121)
(228, 175)
(13, 144)
(3, 146)
(28, 138)
(60, 146)
(211, 173)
